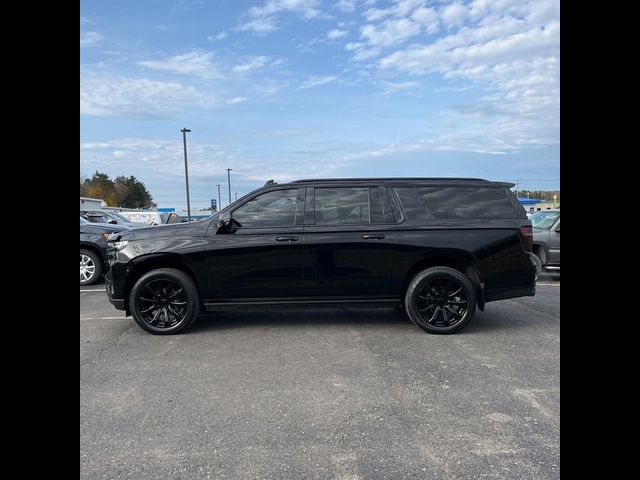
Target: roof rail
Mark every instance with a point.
(379, 179)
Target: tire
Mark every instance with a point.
(440, 300)
(536, 259)
(90, 267)
(164, 301)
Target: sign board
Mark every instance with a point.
(214, 204)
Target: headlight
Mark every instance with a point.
(119, 245)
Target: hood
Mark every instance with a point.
(103, 228)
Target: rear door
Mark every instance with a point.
(349, 240)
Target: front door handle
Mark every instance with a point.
(288, 238)
(375, 236)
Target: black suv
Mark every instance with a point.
(438, 246)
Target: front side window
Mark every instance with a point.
(271, 209)
(342, 206)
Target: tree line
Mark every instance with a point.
(541, 194)
(126, 192)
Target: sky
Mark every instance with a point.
(291, 89)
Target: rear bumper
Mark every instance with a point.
(118, 303)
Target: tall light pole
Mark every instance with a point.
(186, 170)
(229, 183)
(219, 197)
(236, 195)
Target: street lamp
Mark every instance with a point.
(219, 197)
(186, 170)
(229, 183)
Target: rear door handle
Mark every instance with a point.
(288, 238)
(375, 236)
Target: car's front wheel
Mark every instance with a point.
(440, 300)
(164, 301)
(90, 267)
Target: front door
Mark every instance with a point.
(262, 256)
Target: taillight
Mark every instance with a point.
(526, 237)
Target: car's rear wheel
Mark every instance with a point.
(164, 301)
(440, 300)
(90, 267)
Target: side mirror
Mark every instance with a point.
(558, 230)
(112, 222)
(227, 225)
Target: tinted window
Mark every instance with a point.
(272, 209)
(423, 203)
(342, 206)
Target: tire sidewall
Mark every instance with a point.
(180, 278)
(97, 260)
(429, 274)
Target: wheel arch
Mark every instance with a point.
(153, 261)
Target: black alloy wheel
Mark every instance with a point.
(440, 300)
(164, 301)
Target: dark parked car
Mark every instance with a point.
(93, 255)
(438, 246)
(114, 218)
(546, 239)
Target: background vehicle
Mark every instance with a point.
(440, 247)
(107, 216)
(546, 239)
(93, 255)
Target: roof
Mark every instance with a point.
(94, 199)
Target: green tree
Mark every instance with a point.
(99, 186)
(128, 192)
(132, 193)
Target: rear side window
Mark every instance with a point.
(425, 203)
(342, 206)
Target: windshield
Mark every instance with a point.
(82, 221)
(544, 220)
(119, 217)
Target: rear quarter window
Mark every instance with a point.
(425, 203)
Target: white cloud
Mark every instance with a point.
(197, 63)
(306, 8)
(361, 51)
(389, 32)
(220, 36)
(254, 63)
(395, 87)
(264, 18)
(400, 9)
(89, 38)
(259, 26)
(317, 81)
(236, 100)
(427, 17)
(103, 95)
(453, 14)
(334, 34)
(346, 6)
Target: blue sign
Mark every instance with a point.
(214, 204)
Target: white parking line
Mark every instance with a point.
(548, 284)
(101, 290)
(102, 318)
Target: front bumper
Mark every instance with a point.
(118, 303)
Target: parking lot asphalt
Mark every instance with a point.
(322, 394)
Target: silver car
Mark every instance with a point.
(546, 239)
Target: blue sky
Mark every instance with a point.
(286, 89)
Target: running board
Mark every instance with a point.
(305, 303)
